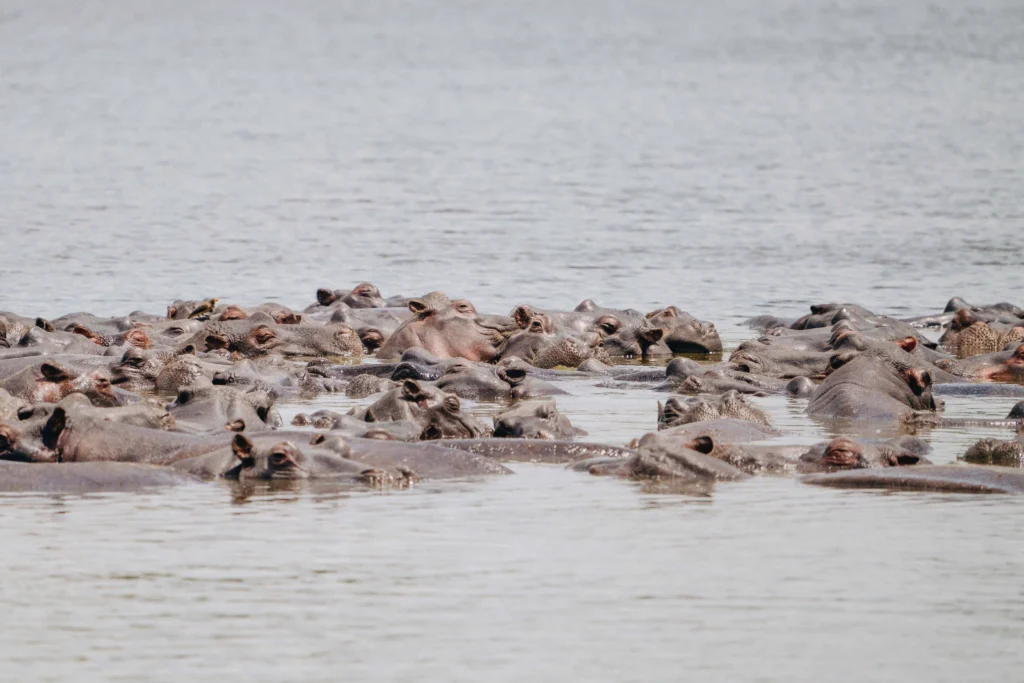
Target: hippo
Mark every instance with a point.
(996, 452)
(364, 295)
(683, 333)
(449, 330)
(842, 453)
(870, 387)
(427, 460)
(181, 309)
(10, 406)
(721, 431)
(49, 381)
(259, 335)
(1002, 366)
(659, 457)
(202, 406)
(438, 413)
(935, 478)
(729, 405)
(481, 382)
(537, 419)
(87, 477)
(624, 333)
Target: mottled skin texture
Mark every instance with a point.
(982, 338)
(872, 388)
(729, 405)
(538, 419)
(996, 452)
(93, 477)
(449, 331)
(537, 451)
(938, 478)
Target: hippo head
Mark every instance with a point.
(920, 383)
(996, 452)
(685, 334)
(844, 454)
(626, 334)
(280, 461)
(533, 420)
(447, 421)
(137, 369)
(55, 382)
(24, 444)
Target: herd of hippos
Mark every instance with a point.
(90, 403)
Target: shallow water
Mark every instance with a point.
(735, 159)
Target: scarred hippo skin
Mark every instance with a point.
(538, 419)
(449, 330)
(90, 477)
(537, 451)
(936, 478)
(872, 388)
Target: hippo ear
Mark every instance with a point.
(189, 350)
(138, 338)
(325, 297)
(45, 324)
(215, 342)
(908, 344)
(368, 416)
(918, 380)
(371, 337)
(318, 439)
(184, 396)
(7, 437)
(418, 306)
(512, 375)
(652, 336)
(242, 447)
(452, 404)
(235, 426)
(522, 315)
(288, 318)
(54, 427)
(171, 312)
(661, 412)
(87, 333)
(54, 372)
(411, 390)
(703, 444)
(586, 306)
(431, 433)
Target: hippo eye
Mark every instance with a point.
(279, 459)
(452, 404)
(608, 325)
(263, 335)
(464, 307)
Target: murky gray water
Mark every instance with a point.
(732, 158)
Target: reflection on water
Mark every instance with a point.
(734, 159)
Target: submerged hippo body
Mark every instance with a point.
(91, 477)
(535, 450)
(936, 478)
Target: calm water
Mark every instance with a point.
(733, 158)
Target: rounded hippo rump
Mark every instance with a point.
(871, 387)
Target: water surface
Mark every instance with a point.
(732, 158)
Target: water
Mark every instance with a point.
(734, 159)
